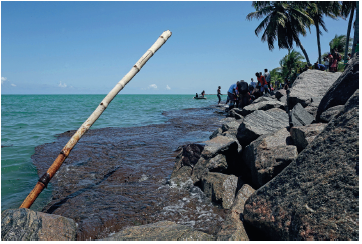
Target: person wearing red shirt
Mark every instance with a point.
(263, 83)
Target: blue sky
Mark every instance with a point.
(87, 47)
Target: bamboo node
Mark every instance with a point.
(45, 179)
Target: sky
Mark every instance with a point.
(86, 47)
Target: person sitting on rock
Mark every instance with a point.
(319, 66)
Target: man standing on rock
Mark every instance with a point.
(232, 93)
(267, 78)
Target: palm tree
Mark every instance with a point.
(275, 76)
(284, 21)
(339, 42)
(316, 10)
(290, 62)
(348, 8)
(356, 30)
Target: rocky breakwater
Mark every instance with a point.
(280, 169)
(286, 166)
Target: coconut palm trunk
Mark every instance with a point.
(299, 44)
(356, 30)
(319, 44)
(44, 180)
(348, 34)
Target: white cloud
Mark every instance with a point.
(168, 88)
(62, 84)
(3, 79)
(13, 85)
(153, 86)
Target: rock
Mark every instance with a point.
(317, 196)
(268, 155)
(261, 123)
(186, 159)
(264, 105)
(352, 102)
(27, 225)
(342, 89)
(280, 93)
(243, 194)
(231, 127)
(303, 135)
(232, 135)
(218, 145)
(217, 132)
(160, 231)
(283, 100)
(233, 229)
(300, 117)
(313, 106)
(219, 154)
(311, 83)
(329, 114)
(262, 99)
(220, 188)
(203, 166)
(236, 113)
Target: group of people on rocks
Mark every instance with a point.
(242, 94)
(331, 61)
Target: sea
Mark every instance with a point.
(28, 121)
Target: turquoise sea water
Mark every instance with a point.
(31, 120)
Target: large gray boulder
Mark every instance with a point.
(261, 123)
(280, 93)
(264, 105)
(343, 88)
(203, 166)
(317, 196)
(309, 84)
(188, 156)
(330, 113)
(160, 231)
(220, 188)
(268, 155)
(232, 228)
(303, 135)
(300, 117)
(219, 154)
(263, 99)
(235, 113)
(218, 145)
(27, 225)
(313, 106)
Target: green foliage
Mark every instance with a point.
(290, 63)
(339, 42)
(283, 22)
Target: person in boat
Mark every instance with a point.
(202, 93)
(197, 95)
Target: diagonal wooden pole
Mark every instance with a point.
(44, 180)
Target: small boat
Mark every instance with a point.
(199, 97)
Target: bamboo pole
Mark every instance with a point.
(44, 180)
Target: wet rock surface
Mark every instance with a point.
(160, 231)
(118, 177)
(27, 225)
